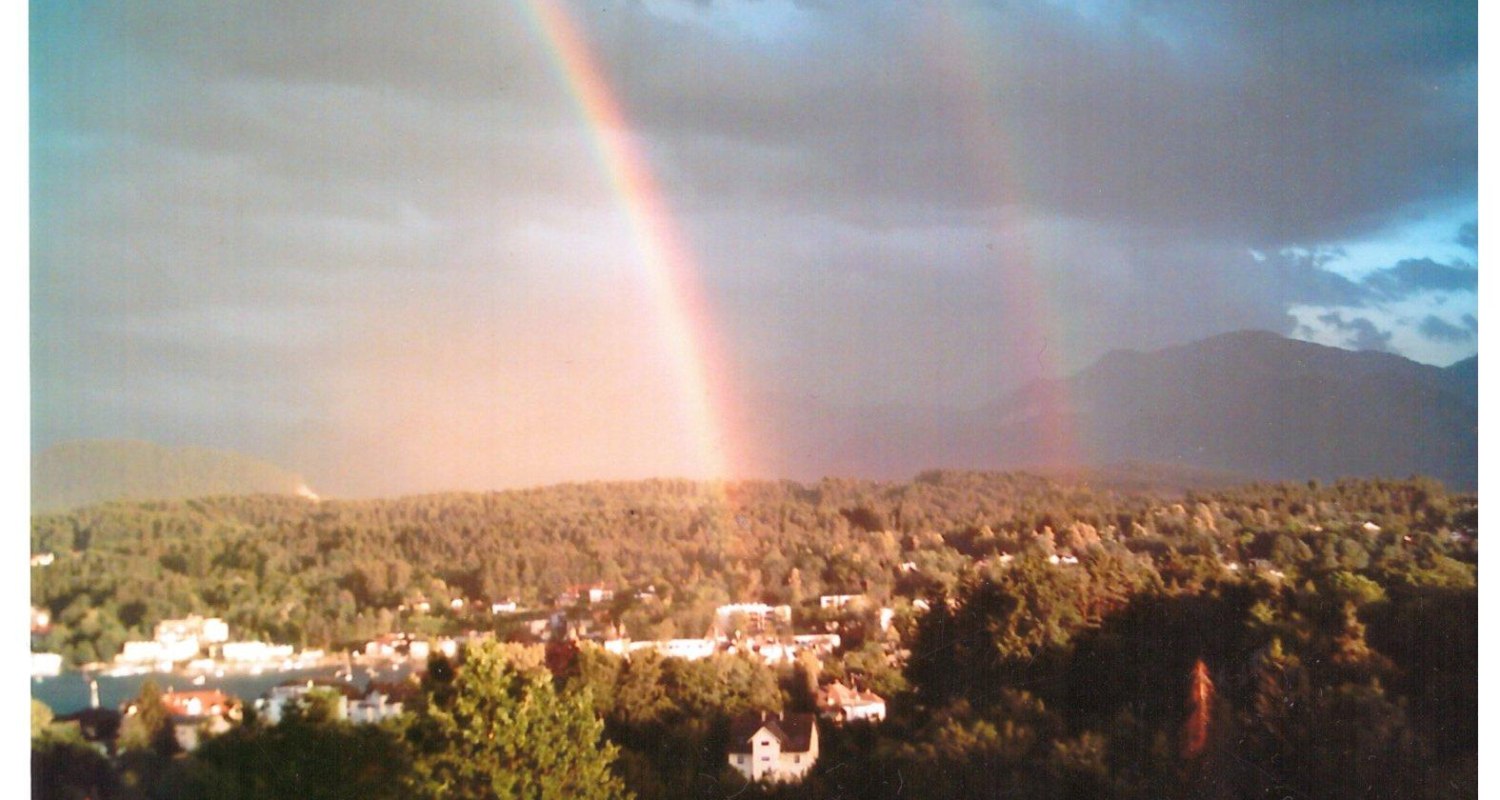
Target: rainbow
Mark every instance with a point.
(960, 55)
(683, 315)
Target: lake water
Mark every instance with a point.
(69, 691)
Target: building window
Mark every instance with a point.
(765, 744)
(739, 759)
(765, 758)
(797, 759)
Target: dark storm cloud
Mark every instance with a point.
(1257, 124)
(1308, 278)
(1421, 275)
(1468, 235)
(1271, 122)
(1305, 277)
(1363, 335)
(1437, 329)
(885, 202)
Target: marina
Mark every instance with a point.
(69, 691)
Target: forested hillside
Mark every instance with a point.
(1299, 640)
(321, 574)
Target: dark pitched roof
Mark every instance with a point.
(794, 731)
(96, 724)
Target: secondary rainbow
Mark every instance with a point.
(682, 312)
(958, 54)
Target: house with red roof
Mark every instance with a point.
(196, 714)
(843, 704)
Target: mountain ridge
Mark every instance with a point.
(1264, 405)
(86, 471)
(1251, 404)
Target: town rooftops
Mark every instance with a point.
(793, 731)
(198, 703)
(845, 704)
(837, 694)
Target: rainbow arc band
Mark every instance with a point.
(682, 313)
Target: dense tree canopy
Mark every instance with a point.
(1047, 641)
(336, 572)
(498, 729)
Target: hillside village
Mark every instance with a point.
(198, 648)
(901, 628)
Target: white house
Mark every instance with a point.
(196, 713)
(764, 746)
(843, 704)
(820, 643)
(757, 615)
(255, 651)
(832, 601)
(140, 652)
(387, 645)
(374, 707)
(273, 704)
(687, 649)
(776, 652)
(599, 594)
(215, 631)
(157, 653)
(176, 640)
(211, 630)
(46, 665)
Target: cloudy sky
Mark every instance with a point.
(385, 247)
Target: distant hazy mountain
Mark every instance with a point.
(1259, 404)
(1240, 406)
(1250, 404)
(79, 473)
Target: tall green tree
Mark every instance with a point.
(149, 727)
(492, 729)
(309, 755)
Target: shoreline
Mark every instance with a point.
(69, 691)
